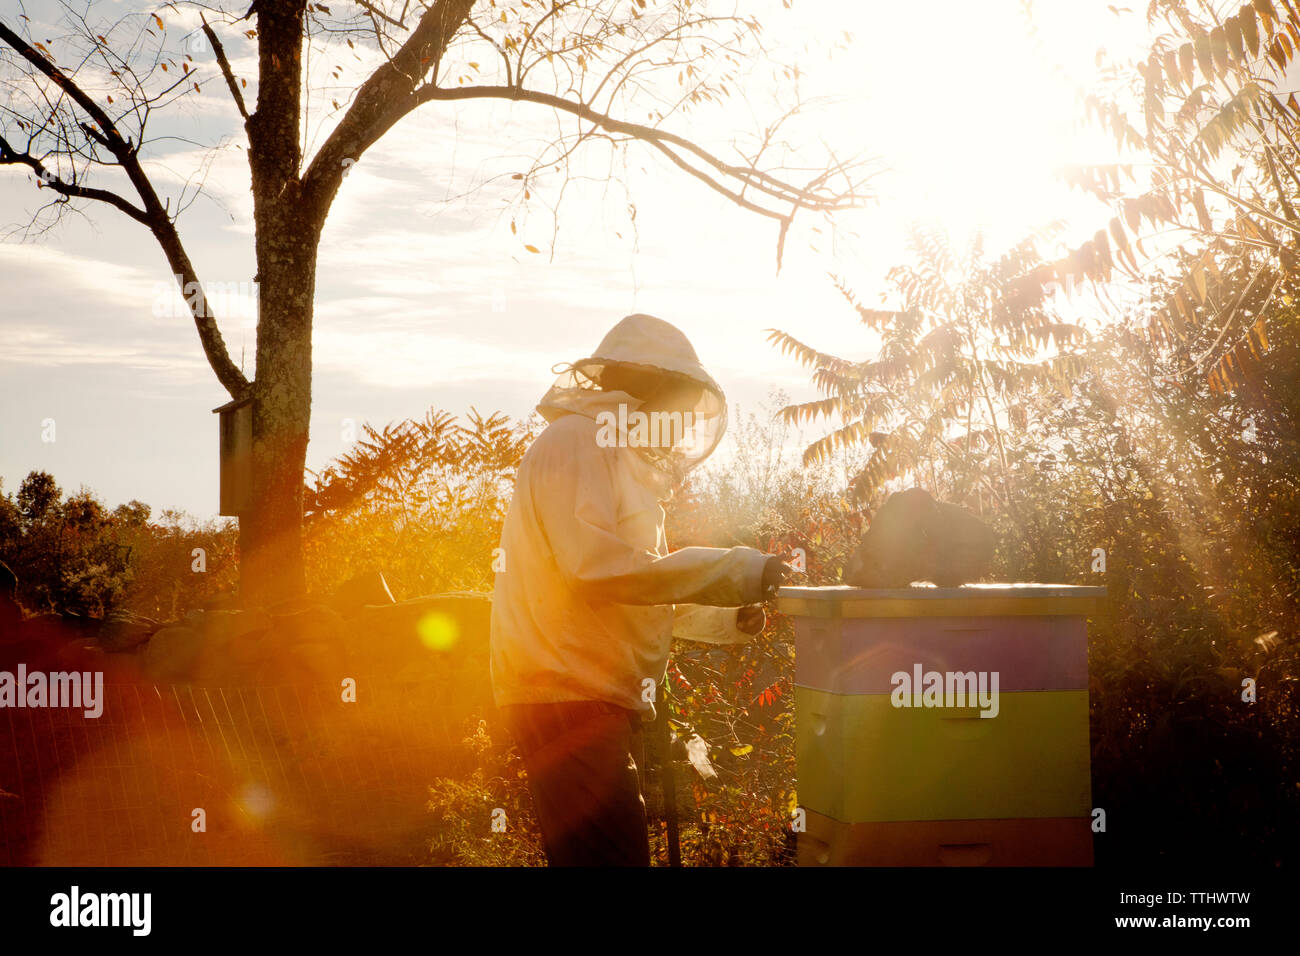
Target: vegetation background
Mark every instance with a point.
(1199, 580)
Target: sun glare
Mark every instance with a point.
(976, 119)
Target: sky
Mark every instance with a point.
(425, 297)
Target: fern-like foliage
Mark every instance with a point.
(974, 338)
(1217, 139)
(432, 462)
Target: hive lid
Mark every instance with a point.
(975, 600)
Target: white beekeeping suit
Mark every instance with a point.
(589, 598)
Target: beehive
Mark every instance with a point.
(885, 780)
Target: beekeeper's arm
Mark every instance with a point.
(576, 495)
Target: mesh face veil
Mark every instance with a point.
(677, 434)
(678, 439)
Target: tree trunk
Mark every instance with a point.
(270, 538)
(288, 232)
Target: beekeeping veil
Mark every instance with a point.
(640, 349)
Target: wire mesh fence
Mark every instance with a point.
(284, 750)
(289, 773)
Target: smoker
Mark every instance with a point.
(943, 726)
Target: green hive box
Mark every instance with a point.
(890, 775)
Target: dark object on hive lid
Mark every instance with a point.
(915, 538)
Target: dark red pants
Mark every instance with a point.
(581, 758)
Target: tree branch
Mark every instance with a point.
(155, 214)
(11, 157)
(804, 198)
(382, 100)
(396, 89)
(220, 51)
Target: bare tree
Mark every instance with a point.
(76, 113)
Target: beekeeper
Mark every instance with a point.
(590, 597)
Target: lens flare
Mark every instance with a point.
(438, 632)
(254, 804)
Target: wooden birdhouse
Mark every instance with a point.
(236, 456)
